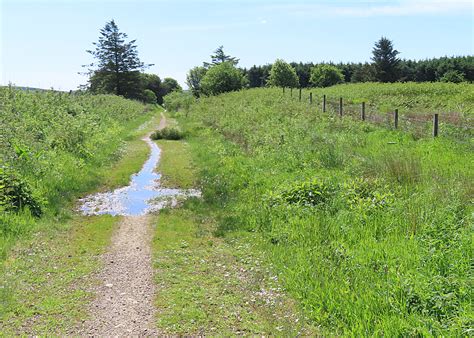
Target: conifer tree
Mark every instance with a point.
(385, 60)
(117, 69)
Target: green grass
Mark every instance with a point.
(176, 167)
(208, 285)
(45, 280)
(387, 251)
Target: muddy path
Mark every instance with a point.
(125, 289)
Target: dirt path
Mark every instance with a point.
(125, 294)
(124, 302)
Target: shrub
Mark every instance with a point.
(176, 101)
(222, 78)
(325, 76)
(167, 133)
(149, 96)
(16, 194)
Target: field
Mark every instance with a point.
(368, 227)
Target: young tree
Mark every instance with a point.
(193, 80)
(222, 78)
(220, 57)
(118, 66)
(283, 75)
(385, 60)
(326, 75)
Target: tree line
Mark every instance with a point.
(444, 69)
(118, 70)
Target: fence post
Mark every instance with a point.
(435, 125)
(340, 106)
(362, 111)
(311, 98)
(396, 118)
(283, 90)
(291, 91)
(324, 103)
(300, 95)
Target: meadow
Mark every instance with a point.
(54, 147)
(368, 227)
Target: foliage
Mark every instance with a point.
(370, 247)
(193, 79)
(385, 60)
(220, 57)
(453, 76)
(54, 150)
(167, 133)
(118, 67)
(16, 194)
(222, 78)
(149, 96)
(177, 101)
(283, 75)
(325, 76)
(429, 70)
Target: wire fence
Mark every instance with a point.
(453, 124)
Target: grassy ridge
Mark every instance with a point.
(369, 228)
(55, 147)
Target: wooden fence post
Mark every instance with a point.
(311, 98)
(435, 125)
(283, 90)
(300, 95)
(324, 103)
(340, 106)
(396, 118)
(362, 111)
(291, 91)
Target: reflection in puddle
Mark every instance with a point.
(142, 196)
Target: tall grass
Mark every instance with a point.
(369, 228)
(54, 147)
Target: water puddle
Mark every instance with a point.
(143, 195)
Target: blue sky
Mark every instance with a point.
(43, 42)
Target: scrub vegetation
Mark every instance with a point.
(369, 228)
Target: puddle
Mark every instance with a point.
(143, 195)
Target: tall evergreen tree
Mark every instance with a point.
(118, 66)
(385, 60)
(219, 57)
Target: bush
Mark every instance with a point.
(149, 96)
(176, 101)
(283, 74)
(325, 76)
(167, 133)
(16, 194)
(222, 78)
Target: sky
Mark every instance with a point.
(43, 43)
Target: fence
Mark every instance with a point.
(366, 112)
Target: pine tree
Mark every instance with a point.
(220, 57)
(385, 60)
(117, 70)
